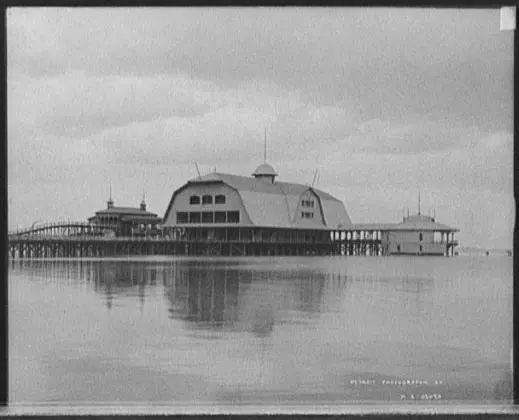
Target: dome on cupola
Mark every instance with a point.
(264, 169)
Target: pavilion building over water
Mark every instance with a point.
(225, 214)
(247, 213)
(417, 234)
(126, 221)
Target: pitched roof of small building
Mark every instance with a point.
(137, 218)
(126, 210)
(422, 222)
(412, 223)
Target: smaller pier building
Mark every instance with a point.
(414, 235)
(126, 221)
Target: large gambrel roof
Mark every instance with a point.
(275, 204)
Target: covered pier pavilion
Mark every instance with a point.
(415, 235)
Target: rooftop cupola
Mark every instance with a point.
(265, 172)
(110, 202)
(143, 203)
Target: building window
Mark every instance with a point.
(220, 217)
(307, 203)
(219, 199)
(182, 217)
(398, 248)
(207, 199)
(421, 248)
(307, 215)
(207, 217)
(194, 199)
(194, 217)
(233, 217)
(420, 237)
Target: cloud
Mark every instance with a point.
(471, 164)
(166, 119)
(234, 131)
(211, 42)
(386, 64)
(386, 137)
(78, 105)
(393, 138)
(489, 165)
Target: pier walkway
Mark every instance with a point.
(80, 240)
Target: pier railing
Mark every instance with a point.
(145, 239)
(60, 229)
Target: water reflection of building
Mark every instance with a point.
(65, 272)
(109, 278)
(222, 297)
(118, 278)
(203, 295)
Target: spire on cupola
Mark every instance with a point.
(265, 171)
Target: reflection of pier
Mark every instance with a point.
(220, 296)
(123, 274)
(212, 294)
(109, 278)
(123, 279)
(203, 295)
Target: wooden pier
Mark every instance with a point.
(81, 247)
(76, 240)
(79, 240)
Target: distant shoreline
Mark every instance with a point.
(483, 251)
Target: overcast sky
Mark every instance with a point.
(382, 101)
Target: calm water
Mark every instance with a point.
(261, 330)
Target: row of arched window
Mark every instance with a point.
(207, 199)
